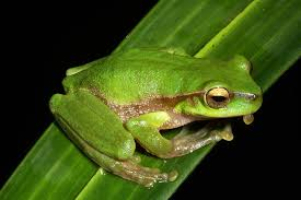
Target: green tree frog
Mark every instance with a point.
(128, 97)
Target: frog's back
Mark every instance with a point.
(141, 74)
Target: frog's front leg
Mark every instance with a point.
(186, 142)
(146, 130)
(100, 134)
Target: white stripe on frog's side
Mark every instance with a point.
(154, 104)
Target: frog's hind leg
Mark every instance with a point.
(127, 169)
(100, 134)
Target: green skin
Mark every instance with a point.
(132, 95)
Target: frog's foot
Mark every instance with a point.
(129, 169)
(142, 175)
(185, 143)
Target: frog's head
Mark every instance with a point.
(229, 91)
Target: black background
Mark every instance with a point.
(39, 42)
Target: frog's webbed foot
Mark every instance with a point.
(186, 142)
(142, 175)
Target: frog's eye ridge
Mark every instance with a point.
(217, 97)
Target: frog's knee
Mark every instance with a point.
(55, 101)
(126, 149)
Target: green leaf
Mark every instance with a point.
(265, 31)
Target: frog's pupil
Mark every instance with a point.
(219, 99)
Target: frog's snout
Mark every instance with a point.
(257, 100)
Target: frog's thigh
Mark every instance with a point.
(88, 121)
(145, 130)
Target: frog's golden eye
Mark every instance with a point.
(217, 97)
